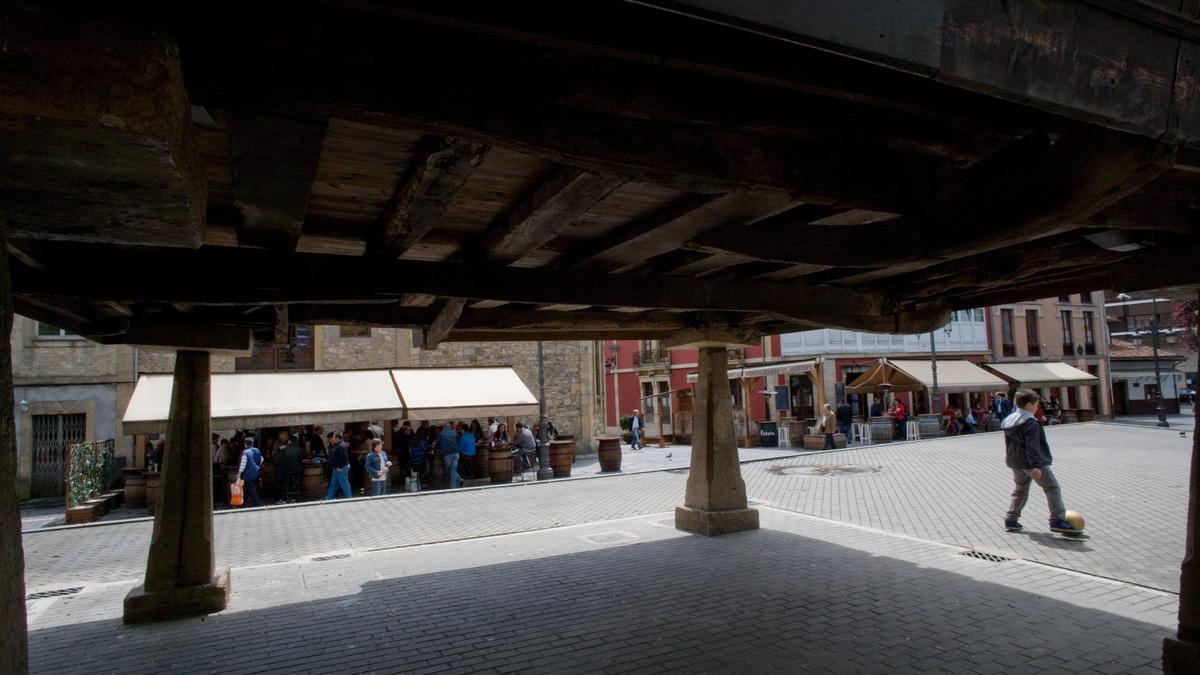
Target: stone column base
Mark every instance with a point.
(713, 523)
(179, 602)
(1180, 656)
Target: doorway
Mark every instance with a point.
(52, 435)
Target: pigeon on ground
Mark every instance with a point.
(669, 455)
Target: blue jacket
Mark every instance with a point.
(253, 463)
(416, 451)
(376, 463)
(466, 444)
(447, 442)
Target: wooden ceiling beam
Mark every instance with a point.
(186, 276)
(273, 162)
(423, 195)
(441, 326)
(553, 205)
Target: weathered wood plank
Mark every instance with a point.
(425, 193)
(274, 161)
(447, 316)
(562, 197)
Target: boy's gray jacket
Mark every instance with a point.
(1025, 442)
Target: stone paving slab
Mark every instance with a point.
(633, 595)
(1129, 482)
(68, 557)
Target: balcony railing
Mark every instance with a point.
(1034, 350)
(736, 353)
(651, 358)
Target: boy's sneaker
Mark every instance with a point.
(1011, 525)
(1063, 527)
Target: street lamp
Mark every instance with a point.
(1162, 412)
(937, 398)
(544, 471)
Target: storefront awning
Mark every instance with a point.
(789, 368)
(954, 376)
(268, 399)
(1042, 374)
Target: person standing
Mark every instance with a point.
(492, 427)
(876, 409)
(466, 451)
(216, 447)
(1001, 406)
(844, 418)
(289, 463)
(249, 469)
(827, 425)
(899, 412)
(447, 444)
(636, 425)
(1027, 454)
(339, 465)
(377, 465)
(314, 444)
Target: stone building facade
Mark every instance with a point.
(574, 386)
(70, 389)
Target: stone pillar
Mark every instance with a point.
(715, 501)
(180, 570)
(1181, 654)
(14, 652)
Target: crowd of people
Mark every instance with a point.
(355, 461)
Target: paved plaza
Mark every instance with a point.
(859, 566)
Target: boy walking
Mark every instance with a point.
(1028, 455)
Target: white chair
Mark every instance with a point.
(913, 430)
(856, 432)
(785, 436)
(812, 430)
(864, 433)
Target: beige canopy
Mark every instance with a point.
(954, 376)
(788, 368)
(265, 399)
(1042, 374)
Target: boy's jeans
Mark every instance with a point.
(1022, 479)
(451, 462)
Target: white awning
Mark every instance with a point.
(789, 368)
(268, 399)
(1042, 374)
(438, 393)
(954, 376)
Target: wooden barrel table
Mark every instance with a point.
(312, 481)
(151, 490)
(500, 465)
(135, 488)
(1070, 416)
(574, 445)
(882, 429)
(560, 458)
(437, 470)
(609, 451)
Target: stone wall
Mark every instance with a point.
(571, 394)
(382, 348)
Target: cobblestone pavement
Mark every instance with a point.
(633, 595)
(1185, 420)
(55, 558)
(1129, 482)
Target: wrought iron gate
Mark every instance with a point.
(51, 436)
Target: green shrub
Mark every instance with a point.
(626, 422)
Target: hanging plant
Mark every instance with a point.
(1187, 316)
(90, 470)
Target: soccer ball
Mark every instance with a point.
(1075, 518)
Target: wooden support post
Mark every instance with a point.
(1181, 654)
(715, 500)
(662, 441)
(14, 649)
(180, 571)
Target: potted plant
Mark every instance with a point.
(626, 424)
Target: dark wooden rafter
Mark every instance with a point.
(796, 239)
(448, 314)
(423, 195)
(554, 204)
(594, 251)
(1163, 205)
(273, 161)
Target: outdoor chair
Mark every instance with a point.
(912, 430)
(785, 436)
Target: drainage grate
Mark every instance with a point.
(54, 594)
(990, 557)
(322, 558)
(608, 537)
